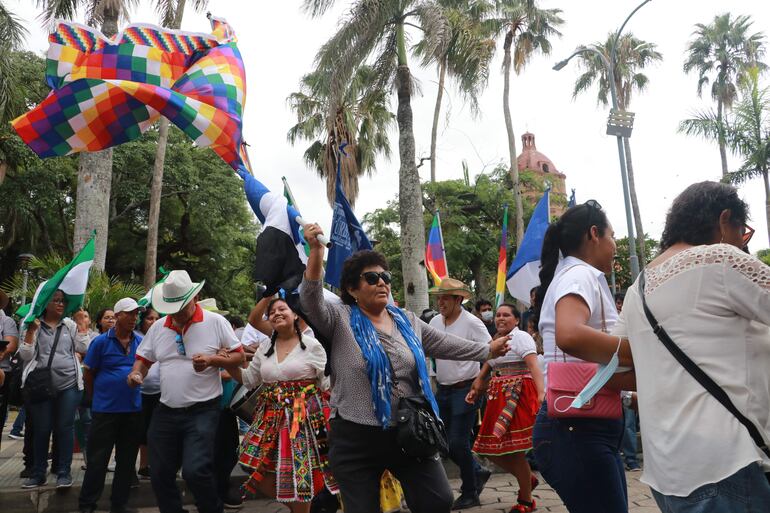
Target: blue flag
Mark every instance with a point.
(524, 272)
(346, 236)
(572, 201)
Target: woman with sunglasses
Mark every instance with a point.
(579, 457)
(290, 420)
(713, 300)
(378, 356)
(53, 333)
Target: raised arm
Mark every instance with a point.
(257, 317)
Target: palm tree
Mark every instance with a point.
(466, 58)
(721, 53)
(632, 55)
(746, 132)
(362, 120)
(528, 30)
(377, 30)
(171, 13)
(12, 34)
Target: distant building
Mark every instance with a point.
(535, 169)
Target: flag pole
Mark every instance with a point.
(441, 236)
(288, 191)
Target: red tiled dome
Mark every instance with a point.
(530, 158)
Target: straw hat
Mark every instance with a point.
(452, 287)
(175, 293)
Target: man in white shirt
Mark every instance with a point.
(185, 344)
(454, 382)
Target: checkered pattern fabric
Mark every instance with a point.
(106, 93)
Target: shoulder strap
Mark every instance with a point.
(55, 344)
(698, 374)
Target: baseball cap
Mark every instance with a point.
(127, 304)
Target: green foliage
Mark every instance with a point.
(764, 255)
(471, 222)
(622, 265)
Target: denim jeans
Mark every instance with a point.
(580, 459)
(226, 451)
(459, 417)
(58, 416)
(18, 424)
(628, 445)
(118, 430)
(184, 437)
(746, 491)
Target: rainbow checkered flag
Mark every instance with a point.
(435, 257)
(107, 92)
(502, 260)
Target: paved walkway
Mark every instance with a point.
(498, 496)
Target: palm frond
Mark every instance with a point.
(703, 124)
(12, 31)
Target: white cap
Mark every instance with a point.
(126, 304)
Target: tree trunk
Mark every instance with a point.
(409, 192)
(94, 183)
(767, 200)
(722, 144)
(640, 242)
(156, 188)
(436, 114)
(514, 166)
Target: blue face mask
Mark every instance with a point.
(602, 376)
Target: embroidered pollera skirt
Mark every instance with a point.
(289, 437)
(510, 413)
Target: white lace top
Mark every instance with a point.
(714, 302)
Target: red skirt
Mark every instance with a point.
(509, 416)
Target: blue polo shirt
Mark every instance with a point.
(111, 365)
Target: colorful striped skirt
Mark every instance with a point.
(509, 415)
(289, 437)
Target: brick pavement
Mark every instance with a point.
(498, 496)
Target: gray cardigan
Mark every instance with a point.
(351, 396)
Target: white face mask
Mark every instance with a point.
(602, 376)
(487, 316)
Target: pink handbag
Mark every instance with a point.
(567, 379)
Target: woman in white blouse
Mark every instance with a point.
(285, 447)
(514, 395)
(713, 299)
(579, 457)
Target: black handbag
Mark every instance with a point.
(13, 382)
(700, 376)
(38, 387)
(419, 433)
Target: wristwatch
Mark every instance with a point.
(626, 397)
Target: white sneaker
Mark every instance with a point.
(111, 466)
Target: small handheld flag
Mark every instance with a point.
(71, 279)
(435, 257)
(501, 262)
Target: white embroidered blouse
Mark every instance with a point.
(299, 364)
(714, 302)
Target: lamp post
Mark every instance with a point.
(620, 124)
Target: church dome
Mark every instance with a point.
(530, 158)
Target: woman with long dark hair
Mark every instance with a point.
(712, 298)
(579, 457)
(290, 424)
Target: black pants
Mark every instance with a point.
(360, 454)
(226, 451)
(108, 430)
(184, 437)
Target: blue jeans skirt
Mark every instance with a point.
(580, 460)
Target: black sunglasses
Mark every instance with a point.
(593, 206)
(373, 278)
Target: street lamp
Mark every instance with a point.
(619, 124)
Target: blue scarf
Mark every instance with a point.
(377, 364)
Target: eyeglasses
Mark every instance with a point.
(373, 278)
(180, 345)
(748, 233)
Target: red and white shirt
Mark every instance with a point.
(180, 385)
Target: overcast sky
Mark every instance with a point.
(278, 43)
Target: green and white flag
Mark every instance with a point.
(146, 301)
(71, 279)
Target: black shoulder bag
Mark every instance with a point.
(419, 432)
(38, 386)
(700, 376)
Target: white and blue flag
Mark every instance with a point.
(524, 272)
